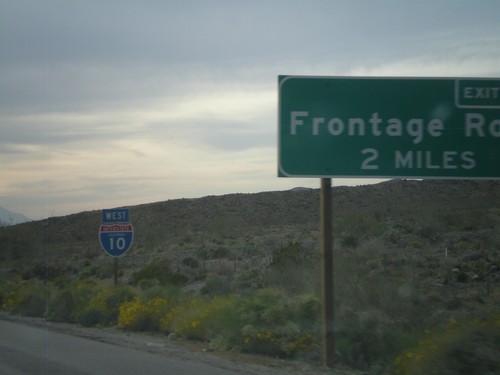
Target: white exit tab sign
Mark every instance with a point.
(477, 93)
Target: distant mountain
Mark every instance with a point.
(10, 218)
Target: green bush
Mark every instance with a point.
(169, 292)
(61, 306)
(350, 241)
(204, 319)
(160, 272)
(67, 303)
(309, 312)
(250, 279)
(272, 325)
(91, 316)
(366, 338)
(103, 307)
(358, 225)
(216, 285)
(190, 262)
(24, 297)
(145, 284)
(291, 254)
(458, 349)
(42, 271)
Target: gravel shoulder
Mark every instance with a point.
(184, 350)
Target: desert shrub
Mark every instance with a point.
(414, 245)
(34, 303)
(358, 225)
(159, 271)
(175, 278)
(103, 307)
(24, 297)
(89, 271)
(190, 262)
(223, 318)
(65, 304)
(169, 292)
(250, 279)
(392, 236)
(61, 306)
(91, 316)
(367, 337)
(218, 253)
(462, 277)
(273, 342)
(216, 285)
(271, 324)
(429, 229)
(266, 322)
(309, 312)
(42, 271)
(145, 284)
(105, 271)
(466, 219)
(349, 241)
(8, 294)
(293, 268)
(2, 293)
(458, 349)
(295, 279)
(203, 319)
(141, 314)
(291, 254)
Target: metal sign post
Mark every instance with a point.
(327, 282)
(115, 271)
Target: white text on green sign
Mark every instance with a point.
(389, 127)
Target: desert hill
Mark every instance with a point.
(160, 226)
(431, 214)
(412, 259)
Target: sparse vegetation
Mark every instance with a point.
(417, 274)
(459, 348)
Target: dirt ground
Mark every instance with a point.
(184, 350)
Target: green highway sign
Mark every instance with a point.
(389, 127)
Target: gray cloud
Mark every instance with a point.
(143, 97)
(65, 55)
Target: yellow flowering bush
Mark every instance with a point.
(182, 320)
(103, 307)
(142, 314)
(10, 297)
(279, 342)
(260, 341)
(275, 324)
(305, 342)
(25, 297)
(8, 293)
(200, 318)
(284, 340)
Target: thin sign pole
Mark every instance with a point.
(327, 271)
(115, 271)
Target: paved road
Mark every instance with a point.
(29, 350)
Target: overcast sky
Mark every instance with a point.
(107, 103)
